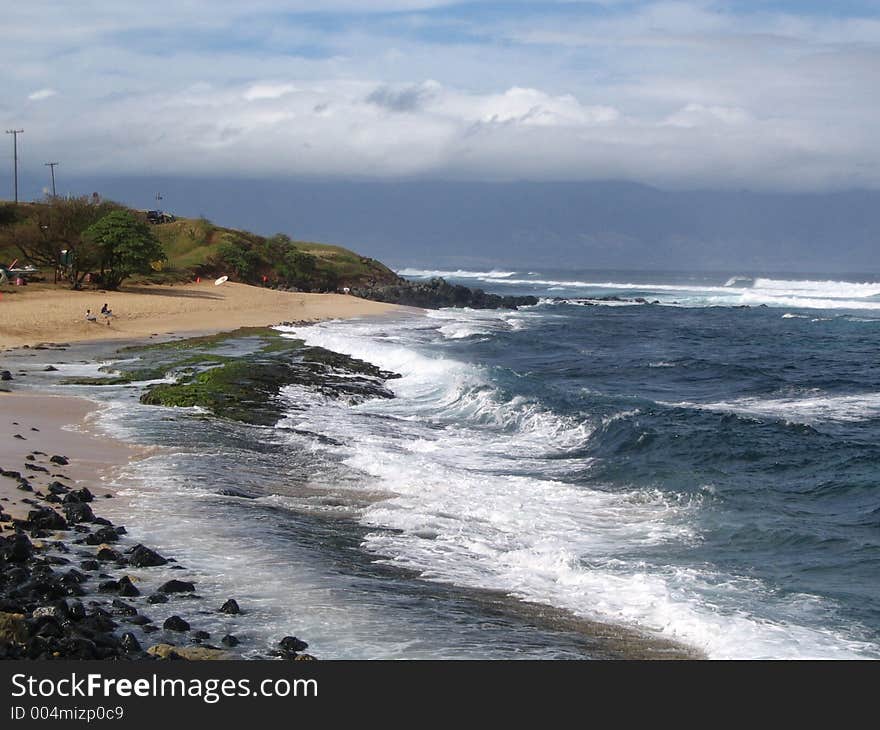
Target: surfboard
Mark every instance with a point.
(221, 280)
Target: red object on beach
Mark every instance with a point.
(198, 280)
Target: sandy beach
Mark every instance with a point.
(38, 313)
(43, 426)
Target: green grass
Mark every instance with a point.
(190, 244)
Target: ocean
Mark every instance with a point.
(593, 476)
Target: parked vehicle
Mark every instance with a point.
(159, 216)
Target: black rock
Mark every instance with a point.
(121, 608)
(230, 492)
(157, 598)
(90, 565)
(177, 586)
(231, 607)
(127, 588)
(143, 557)
(129, 643)
(201, 635)
(46, 519)
(36, 467)
(79, 495)
(104, 535)
(229, 640)
(75, 609)
(5, 375)
(73, 576)
(60, 460)
(438, 293)
(109, 554)
(175, 623)
(290, 644)
(16, 548)
(78, 512)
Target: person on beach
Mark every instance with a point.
(90, 317)
(106, 313)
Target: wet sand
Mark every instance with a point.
(53, 425)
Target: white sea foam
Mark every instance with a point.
(457, 274)
(468, 506)
(806, 408)
(736, 291)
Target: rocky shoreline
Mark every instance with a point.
(75, 586)
(437, 293)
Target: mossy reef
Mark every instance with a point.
(239, 375)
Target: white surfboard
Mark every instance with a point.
(221, 280)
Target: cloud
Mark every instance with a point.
(696, 115)
(669, 93)
(268, 91)
(41, 94)
(407, 99)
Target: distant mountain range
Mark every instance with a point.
(615, 225)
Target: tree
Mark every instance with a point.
(42, 232)
(124, 246)
(8, 214)
(238, 255)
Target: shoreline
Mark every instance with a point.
(626, 641)
(38, 315)
(72, 584)
(52, 469)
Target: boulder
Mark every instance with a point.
(175, 623)
(193, 653)
(230, 607)
(13, 629)
(129, 643)
(141, 556)
(78, 512)
(127, 587)
(45, 519)
(177, 586)
(290, 644)
(106, 554)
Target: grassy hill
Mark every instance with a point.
(197, 247)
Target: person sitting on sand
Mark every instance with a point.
(90, 317)
(106, 313)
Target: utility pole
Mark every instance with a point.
(15, 133)
(51, 166)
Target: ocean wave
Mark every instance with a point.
(809, 409)
(457, 274)
(451, 451)
(736, 291)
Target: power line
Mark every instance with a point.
(15, 133)
(51, 166)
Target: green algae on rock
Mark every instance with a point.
(239, 375)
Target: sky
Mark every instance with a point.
(760, 95)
